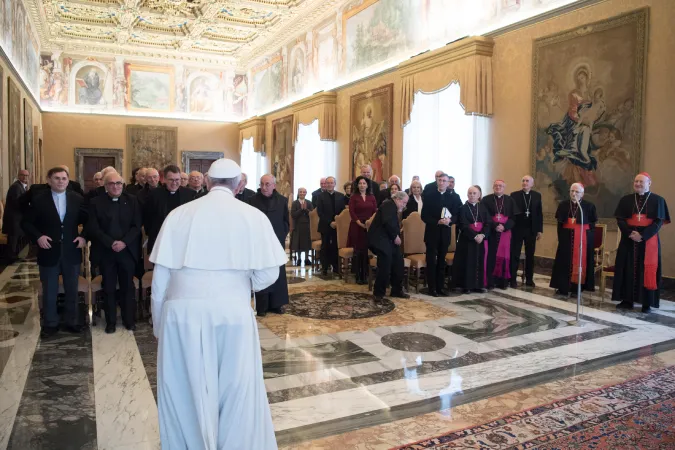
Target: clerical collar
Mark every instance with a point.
(643, 194)
(442, 192)
(472, 204)
(499, 195)
(115, 199)
(172, 192)
(526, 192)
(331, 193)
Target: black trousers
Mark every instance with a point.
(520, 235)
(436, 252)
(389, 267)
(329, 250)
(14, 244)
(49, 276)
(360, 264)
(118, 268)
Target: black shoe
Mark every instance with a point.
(514, 284)
(76, 329)
(130, 327)
(378, 299)
(324, 272)
(503, 287)
(490, 287)
(443, 293)
(646, 309)
(466, 291)
(276, 310)
(431, 293)
(261, 313)
(110, 329)
(625, 305)
(399, 295)
(530, 283)
(47, 332)
(308, 262)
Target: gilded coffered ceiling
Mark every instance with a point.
(215, 31)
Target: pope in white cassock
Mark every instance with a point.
(208, 256)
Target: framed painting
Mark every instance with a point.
(28, 137)
(14, 128)
(149, 88)
(155, 147)
(371, 132)
(587, 103)
(282, 155)
(2, 101)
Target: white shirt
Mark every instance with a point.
(60, 203)
(418, 199)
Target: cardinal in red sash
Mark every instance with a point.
(575, 255)
(637, 271)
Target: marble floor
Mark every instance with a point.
(340, 371)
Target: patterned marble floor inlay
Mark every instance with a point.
(295, 280)
(413, 342)
(506, 320)
(337, 305)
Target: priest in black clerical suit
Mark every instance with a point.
(275, 207)
(502, 209)
(474, 226)
(637, 273)
(437, 232)
(528, 228)
(161, 201)
(114, 228)
(329, 204)
(570, 235)
(245, 195)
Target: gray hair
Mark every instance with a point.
(400, 195)
(274, 179)
(333, 178)
(98, 174)
(230, 183)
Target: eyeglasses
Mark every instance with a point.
(173, 180)
(115, 184)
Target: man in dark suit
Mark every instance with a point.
(246, 194)
(529, 228)
(51, 223)
(317, 193)
(433, 186)
(437, 232)
(151, 183)
(329, 204)
(72, 185)
(386, 193)
(138, 175)
(385, 242)
(11, 224)
(162, 201)
(275, 207)
(94, 191)
(114, 228)
(367, 171)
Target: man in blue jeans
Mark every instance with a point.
(51, 223)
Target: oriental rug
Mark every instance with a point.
(636, 414)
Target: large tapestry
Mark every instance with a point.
(152, 146)
(588, 88)
(14, 128)
(28, 136)
(282, 164)
(371, 133)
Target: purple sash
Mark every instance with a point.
(478, 227)
(503, 259)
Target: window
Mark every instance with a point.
(314, 159)
(440, 136)
(253, 164)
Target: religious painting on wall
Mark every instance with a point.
(89, 83)
(268, 82)
(588, 93)
(371, 132)
(152, 146)
(149, 88)
(374, 31)
(325, 51)
(240, 94)
(205, 94)
(297, 67)
(28, 136)
(2, 104)
(282, 155)
(14, 128)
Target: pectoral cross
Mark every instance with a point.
(527, 213)
(574, 220)
(499, 217)
(639, 217)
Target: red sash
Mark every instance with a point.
(579, 236)
(651, 251)
(478, 228)
(503, 260)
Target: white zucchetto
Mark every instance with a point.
(224, 168)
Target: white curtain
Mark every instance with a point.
(440, 136)
(314, 159)
(253, 164)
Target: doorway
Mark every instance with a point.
(93, 164)
(200, 161)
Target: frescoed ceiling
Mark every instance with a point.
(214, 31)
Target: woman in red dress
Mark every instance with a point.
(362, 205)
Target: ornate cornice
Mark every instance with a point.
(322, 98)
(473, 46)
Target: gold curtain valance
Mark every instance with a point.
(322, 106)
(468, 62)
(253, 128)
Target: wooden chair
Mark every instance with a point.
(288, 237)
(315, 236)
(414, 248)
(603, 258)
(345, 254)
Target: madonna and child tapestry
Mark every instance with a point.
(588, 93)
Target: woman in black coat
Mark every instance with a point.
(301, 237)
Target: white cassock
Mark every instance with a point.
(210, 388)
